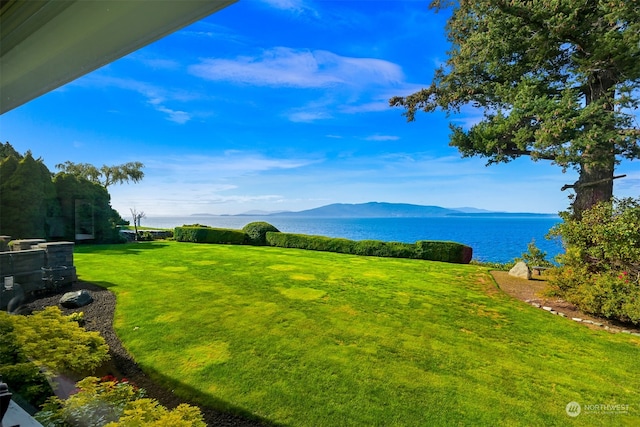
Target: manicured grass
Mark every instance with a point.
(312, 338)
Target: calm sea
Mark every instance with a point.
(493, 238)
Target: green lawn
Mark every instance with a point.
(312, 338)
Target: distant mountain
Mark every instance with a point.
(471, 210)
(262, 213)
(504, 214)
(382, 210)
(373, 210)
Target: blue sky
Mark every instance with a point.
(281, 105)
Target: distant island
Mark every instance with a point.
(383, 210)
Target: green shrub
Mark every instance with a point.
(199, 234)
(56, 342)
(149, 413)
(384, 249)
(443, 251)
(23, 377)
(145, 236)
(534, 256)
(304, 241)
(113, 403)
(600, 269)
(256, 232)
(427, 250)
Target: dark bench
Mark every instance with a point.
(539, 269)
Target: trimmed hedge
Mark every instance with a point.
(263, 233)
(444, 251)
(202, 234)
(423, 249)
(256, 232)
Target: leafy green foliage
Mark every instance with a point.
(106, 175)
(443, 251)
(27, 197)
(114, 403)
(7, 150)
(33, 204)
(149, 413)
(22, 375)
(199, 234)
(601, 266)
(535, 256)
(423, 249)
(556, 81)
(257, 232)
(57, 342)
(77, 196)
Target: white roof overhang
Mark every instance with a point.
(45, 44)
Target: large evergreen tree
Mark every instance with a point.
(34, 204)
(557, 80)
(27, 197)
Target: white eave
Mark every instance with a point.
(45, 44)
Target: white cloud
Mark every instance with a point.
(195, 183)
(300, 68)
(367, 107)
(180, 117)
(231, 163)
(629, 185)
(208, 30)
(308, 116)
(157, 97)
(382, 138)
(295, 6)
(155, 63)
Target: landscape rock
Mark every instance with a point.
(521, 270)
(76, 299)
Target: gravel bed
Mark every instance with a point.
(99, 317)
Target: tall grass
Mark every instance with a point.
(313, 338)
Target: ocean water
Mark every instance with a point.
(493, 238)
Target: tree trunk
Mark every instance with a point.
(594, 185)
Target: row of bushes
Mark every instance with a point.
(423, 249)
(263, 233)
(252, 234)
(197, 234)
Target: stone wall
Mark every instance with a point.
(34, 265)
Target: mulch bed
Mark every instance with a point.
(99, 317)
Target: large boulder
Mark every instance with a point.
(76, 299)
(521, 270)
